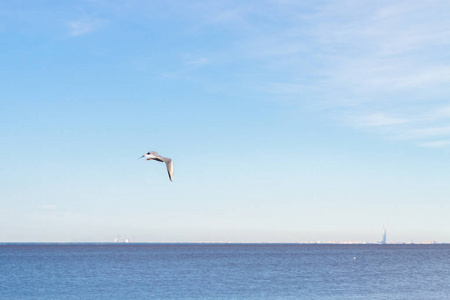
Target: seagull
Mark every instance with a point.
(155, 156)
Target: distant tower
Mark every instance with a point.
(383, 241)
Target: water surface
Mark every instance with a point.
(224, 271)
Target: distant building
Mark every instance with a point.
(383, 240)
(118, 239)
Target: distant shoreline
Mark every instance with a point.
(223, 243)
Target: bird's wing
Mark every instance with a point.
(168, 161)
(157, 156)
(169, 165)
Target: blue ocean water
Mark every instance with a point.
(224, 271)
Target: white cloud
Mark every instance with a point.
(440, 113)
(436, 144)
(85, 26)
(390, 62)
(198, 62)
(47, 207)
(378, 66)
(426, 132)
(378, 119)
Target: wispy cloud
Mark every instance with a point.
(84, 26)
(378, 119)
(438, 113)
(47, 207)
(426, 132)
(380, 67)
(436, 144)
(383, 67)
(198, 61)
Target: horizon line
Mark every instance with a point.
(236, 243)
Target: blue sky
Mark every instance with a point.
(287, 121)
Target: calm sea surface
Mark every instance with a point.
(224, 271)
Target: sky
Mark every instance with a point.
(287, 121)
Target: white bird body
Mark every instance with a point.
(153, 155)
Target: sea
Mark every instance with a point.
(224, 271)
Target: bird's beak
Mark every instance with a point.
(141, 157)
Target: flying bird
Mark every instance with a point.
(153, 155)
